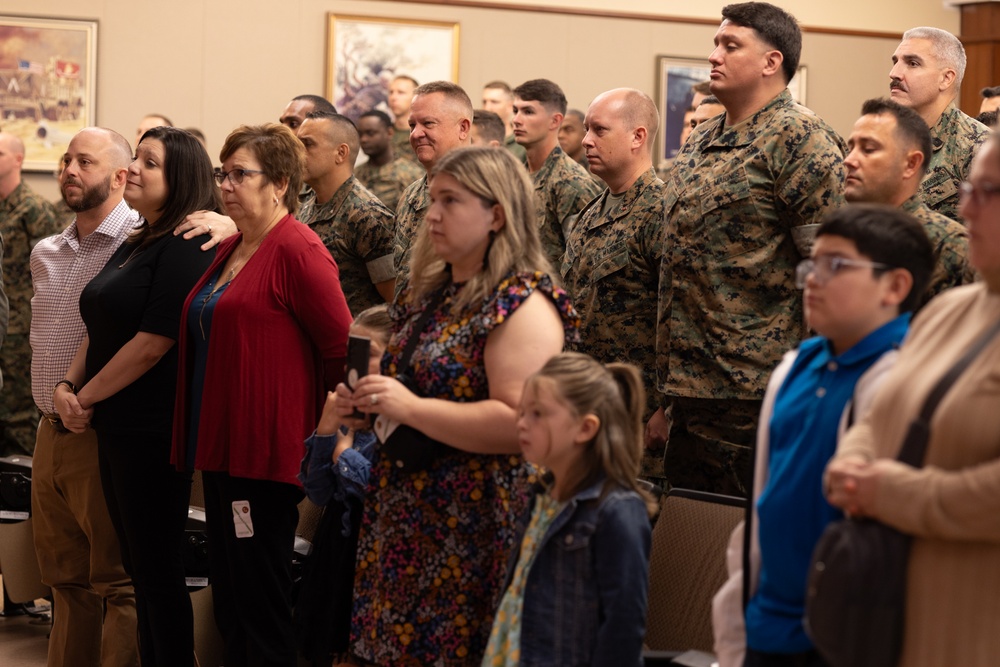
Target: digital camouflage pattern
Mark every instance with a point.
(951, 247)
(562, 189)
(741, 207)
(388, 181)
(401, 147)
(357, 230)
(955, 139)
(25, 218)
(410, 212)
(612, 270)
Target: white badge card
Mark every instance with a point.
(241, 518)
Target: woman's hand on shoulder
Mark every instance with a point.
(217, 226)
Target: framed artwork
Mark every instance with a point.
(675, 78)
(48, 84)
(365, 53)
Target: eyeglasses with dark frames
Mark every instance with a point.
(235, 176)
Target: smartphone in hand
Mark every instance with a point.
(358, 351)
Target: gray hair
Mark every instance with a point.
(947, 48)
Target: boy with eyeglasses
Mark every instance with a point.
(868, 268)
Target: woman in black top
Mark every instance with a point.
(126, 372)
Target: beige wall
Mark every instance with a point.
(216, 64)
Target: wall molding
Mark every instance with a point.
(635, 16)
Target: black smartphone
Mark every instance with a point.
(358, 351)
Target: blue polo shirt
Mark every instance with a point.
(792, 509)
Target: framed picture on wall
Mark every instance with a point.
(48, 90)
(675, 80)
(365, 53)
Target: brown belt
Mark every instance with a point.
(56, 422)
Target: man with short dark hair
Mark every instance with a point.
(927, 71)
(385, 174)
(709, 107)
(148, 122)
(611, 268)
(562, 187)
(571, 134)
(25, 218)
(352, 223)
(499, 98)
(991, 99)
(440, 121)
(742, 201)
(401, 91)
(885, 163)
(487, 129)
(300, 107)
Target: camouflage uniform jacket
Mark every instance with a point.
(955, 139)
(357, 230)
(741, 207)
(413, 205)
(388, 181)
(401, 147)
(951, 247)
(612, 270)
(25, 218)
(562, 189)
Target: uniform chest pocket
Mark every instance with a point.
(610, 260)
(939, 186)
(730, 223)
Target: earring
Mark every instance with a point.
(275, 200)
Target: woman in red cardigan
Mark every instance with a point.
(264, 335)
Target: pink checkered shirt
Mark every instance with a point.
(61, 266)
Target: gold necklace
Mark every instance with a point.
(129, 258)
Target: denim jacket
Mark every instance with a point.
(585, 595)
(323, 481)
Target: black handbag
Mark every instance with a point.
(856, 596)
(409, 449)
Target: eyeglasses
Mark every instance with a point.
(977, 193)
(825, 267)
(235, 176)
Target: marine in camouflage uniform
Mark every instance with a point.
(357, 230)
(955, 139)
(951, 247)
(388, 181)
(401, 147)
(612, 270)
(562, 189)
(412, 208)
(742, 204)
(25, 218)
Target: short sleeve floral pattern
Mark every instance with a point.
(434, 545)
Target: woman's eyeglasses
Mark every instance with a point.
(235, 176)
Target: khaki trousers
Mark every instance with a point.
(79, 556)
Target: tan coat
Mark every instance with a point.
(952, 504)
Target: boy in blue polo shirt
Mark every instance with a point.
(868, 269)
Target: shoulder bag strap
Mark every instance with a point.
(915, 444)
(418, 328)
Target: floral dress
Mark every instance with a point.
(434, 544)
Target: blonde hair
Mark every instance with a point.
(615, 395)
(495, 176)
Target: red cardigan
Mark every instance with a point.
(281, 321)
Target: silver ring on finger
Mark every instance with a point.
(374, 399)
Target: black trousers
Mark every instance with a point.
(148, 501)
(251, 575)
(806, 659)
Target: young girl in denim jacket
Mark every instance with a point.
(334, 474)
(576, 592)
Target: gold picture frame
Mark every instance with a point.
(48, 84)
(674, 78)
(364, 53)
